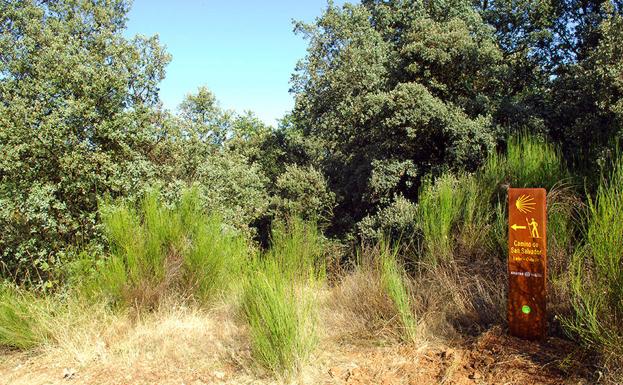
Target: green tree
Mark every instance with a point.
(204, 119)
(76, 121)
(395, 90)
(588, 95)
(558, 53)
(303, 192)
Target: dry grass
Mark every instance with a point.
(359, 344)
(466, 297)
(461, 298)
(173, 344)
(358, 321)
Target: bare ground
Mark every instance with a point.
(179, 345)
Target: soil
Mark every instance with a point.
(490, 358)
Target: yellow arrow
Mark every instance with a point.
(517, 227)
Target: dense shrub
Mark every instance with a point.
(75, 124)
(303, 192)
(597, 283)
(278, 300)
(156, 250)
(397, 220)
(233, 188)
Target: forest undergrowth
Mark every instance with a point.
(174, 267)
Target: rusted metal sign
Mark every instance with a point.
(527, 262)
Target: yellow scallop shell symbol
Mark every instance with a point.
(525, 204)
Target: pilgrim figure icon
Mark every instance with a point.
(533, 225)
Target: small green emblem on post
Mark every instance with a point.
(526, 309)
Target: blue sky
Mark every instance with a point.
(244, 51)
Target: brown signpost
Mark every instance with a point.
(527, 262)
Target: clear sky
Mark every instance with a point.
(243, 51)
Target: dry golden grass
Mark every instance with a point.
(184, 345)
(359, 311)
(359, 334)
(173, 344)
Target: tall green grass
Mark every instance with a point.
(298, 248)
(393, 279)
(278, 299)
(281, 315)
(529, 161)
(439, 208)
(597, 285)
(156, 249)
(477, 214)
(25, 319)
(453, 208)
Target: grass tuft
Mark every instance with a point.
(597, 283)
(24, 318)
(156, 249)
(278, 298)
(394, 282)
(529, 161)
(439, 209)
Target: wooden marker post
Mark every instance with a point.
(527, 262)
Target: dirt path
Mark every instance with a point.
(491, 358)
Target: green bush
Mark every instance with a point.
(439, 209)
(232, 187)
(398, 221)
(281, 316)
(393, 280)
(88, 131)
(278, 301)
(597, 284)
(156, 249)
(303, 192)
(25, 319)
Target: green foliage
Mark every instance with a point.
(397, 221)
(24, 318)
(439, 209)
(499, 230)
(608, 65)
(477, 213)
(471, 208)
(528, 162)
(203, 119)
(597, 284)
(395, 91)
(278, 303)
(232, 187)
(561, 81)
(156, 249)
(394, 283)
(303, 192)
(74, 116)
(281, 319)
(563, 224)
(298, 248)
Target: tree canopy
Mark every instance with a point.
(390, 93)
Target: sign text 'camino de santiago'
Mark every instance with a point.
(527, 262)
